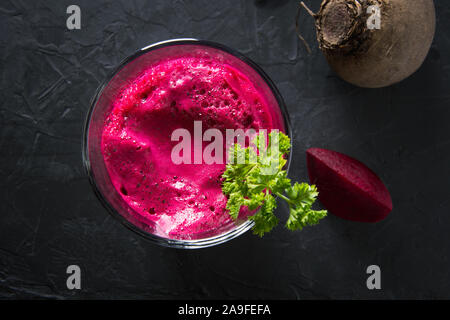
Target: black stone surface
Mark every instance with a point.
(50, 217)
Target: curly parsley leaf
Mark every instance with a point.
(255, 175)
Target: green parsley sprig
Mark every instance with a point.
(254, 176)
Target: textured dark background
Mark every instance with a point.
(50, 218)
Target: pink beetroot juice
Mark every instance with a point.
(181, 201)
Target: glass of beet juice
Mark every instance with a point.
(129, 138)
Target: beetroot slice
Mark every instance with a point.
(347, 188)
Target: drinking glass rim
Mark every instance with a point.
(167, 242)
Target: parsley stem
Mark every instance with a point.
(282, 196)
(251, 169)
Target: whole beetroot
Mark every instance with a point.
(366, 56)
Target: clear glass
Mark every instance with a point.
(101, 106)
